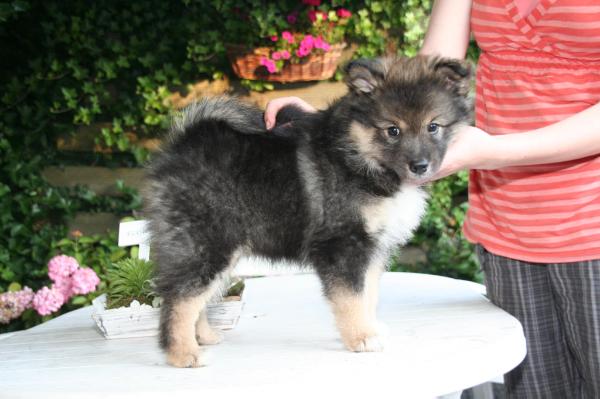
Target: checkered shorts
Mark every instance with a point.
(559, 308)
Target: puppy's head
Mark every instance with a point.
(405, 110)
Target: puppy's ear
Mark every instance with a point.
(456, 73)
(364, 75)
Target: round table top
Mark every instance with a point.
(444, 336)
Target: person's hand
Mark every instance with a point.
(275, 105)
(471, 148)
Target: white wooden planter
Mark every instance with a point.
(142, 320)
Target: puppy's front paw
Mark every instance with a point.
(185, 358)
(209, 337)
(365, 343)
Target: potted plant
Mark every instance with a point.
(130, 308)
(305, 44)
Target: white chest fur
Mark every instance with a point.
(392, 220)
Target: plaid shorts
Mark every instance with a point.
(558, 305)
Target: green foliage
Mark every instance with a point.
(129, 279)
(32, 216)
(440, 234)
(257, 85)
(389, 26)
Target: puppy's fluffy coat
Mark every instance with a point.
(334, 190)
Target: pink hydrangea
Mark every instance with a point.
(61, 266)
(13, 304)
(287, 36)
(276, 55)
(343, 13)
(65, 286)
(84, 281)
(47, 300)
(269, 64)
(285, 54)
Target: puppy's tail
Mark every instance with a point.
(242, 117)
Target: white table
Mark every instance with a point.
(444, 337)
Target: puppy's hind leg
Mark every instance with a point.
(178, 320)
(205, 334)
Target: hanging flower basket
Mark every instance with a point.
(246, 64)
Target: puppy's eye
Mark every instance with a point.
(433, 128)
(393, 131)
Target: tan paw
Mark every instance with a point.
(209, 337)
(373, 343)
(191, 358)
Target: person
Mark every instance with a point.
(534, 185)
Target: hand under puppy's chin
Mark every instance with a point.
(419, 180)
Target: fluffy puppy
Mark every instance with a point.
(334, 191)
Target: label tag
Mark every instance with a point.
(133, 233)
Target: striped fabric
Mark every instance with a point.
(534, 71)
(525, 6)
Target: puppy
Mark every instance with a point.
(334, 190)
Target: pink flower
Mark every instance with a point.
(314, 15)
(85, 280)
(269, 64)
(285, 54)
(343, 13)
(61, 267)
(13, 304)
(315, 3)
(274, 38)
(47, 301)
(308, 41)
(65, 287)
(303, 52)
(285, 35)
(276, 55)
(306, 46)
(322, 44)
(292, 18)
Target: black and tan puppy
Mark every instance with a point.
(334, 191)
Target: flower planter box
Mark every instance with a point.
(246, 64)
(142, 320)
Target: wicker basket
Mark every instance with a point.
(246, 64)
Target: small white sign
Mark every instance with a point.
(133, 233)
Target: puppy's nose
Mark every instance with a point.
(418, 166)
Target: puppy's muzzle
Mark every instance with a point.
(419, 166)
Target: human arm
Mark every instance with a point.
(449, 29)
(575, 137)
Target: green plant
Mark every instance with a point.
(387, 26)
(128, 280)
(440, 235)
(256, 85)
